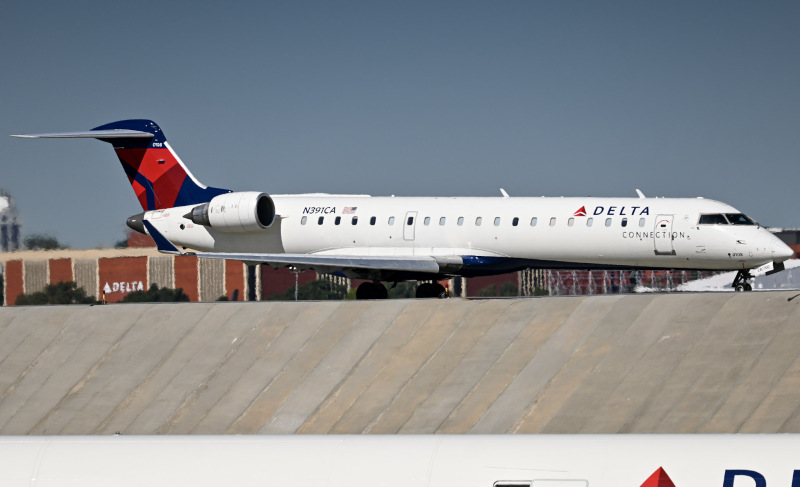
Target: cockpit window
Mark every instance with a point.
(713, 219)
(739, 219)
(725, 219)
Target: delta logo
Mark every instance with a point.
(615, 211)
(658, 479)
(745, 477)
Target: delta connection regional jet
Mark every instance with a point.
(428, 239)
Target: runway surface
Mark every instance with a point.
(659, 363)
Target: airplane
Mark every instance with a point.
(395, 239)
(402, 460)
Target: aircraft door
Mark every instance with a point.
(409, 224)
(662, 237)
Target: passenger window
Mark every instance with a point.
(553, 221)
(460, 221)
(624, 222)
(571, 222)
(427, 221)
(515, 222)
(391, 220)
(303, 220)
(497, 221)
(442, 220)
(372, 220)
(338, 220)
(478, 221)
(641, 222)
(410, 220)
(321, 219)
(533, 221)
(355, 220)
(589, 222)
(608, 222)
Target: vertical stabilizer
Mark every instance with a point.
(158, 176)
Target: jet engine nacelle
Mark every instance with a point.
(236, 212)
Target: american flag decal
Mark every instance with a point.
(349, 210)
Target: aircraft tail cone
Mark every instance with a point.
(136, 222)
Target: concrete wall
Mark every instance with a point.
(659, 363)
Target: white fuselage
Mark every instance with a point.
(492, 234)
(401, 461)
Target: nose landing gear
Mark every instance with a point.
(740, 281)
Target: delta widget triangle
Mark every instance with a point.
(581, 212)
(658, 479)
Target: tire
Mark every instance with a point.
(370, 290)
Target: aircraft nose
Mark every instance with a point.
(781, 251)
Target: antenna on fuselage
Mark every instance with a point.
(505, 195)
(641, 195)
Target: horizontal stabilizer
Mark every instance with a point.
(91, 134)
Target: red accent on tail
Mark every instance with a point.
(160, 168)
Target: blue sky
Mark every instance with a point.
(407, 98)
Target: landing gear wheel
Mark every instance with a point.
(430, 290)
(383, 293)
(740, 283)
(371, 290)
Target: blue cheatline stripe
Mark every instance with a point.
(148, 191)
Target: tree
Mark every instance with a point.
(60, 293)
(319, 290)
(403, 290)
(40, 241)
(155, 295)
(121, 244)
(506, 289)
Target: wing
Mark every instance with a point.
(322, 263)
(328, 263)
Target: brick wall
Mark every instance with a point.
(60, 270)
(13, 281)
(120, 276)
(278, 281)
(186, 275)
(235, 280)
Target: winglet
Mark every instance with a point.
(162, 243)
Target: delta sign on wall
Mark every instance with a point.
(120, 276)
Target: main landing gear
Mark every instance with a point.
(371, 290)
(376, 290)
(740, 281)
(430, 290)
